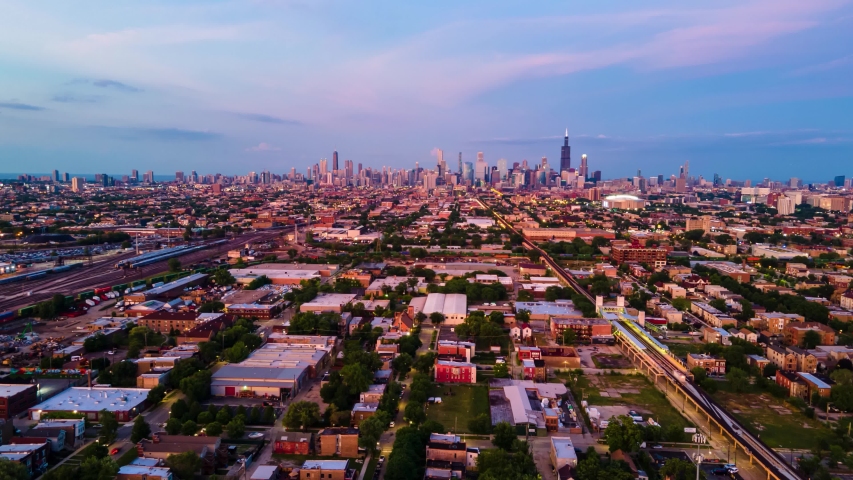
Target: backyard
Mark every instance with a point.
(459, 404)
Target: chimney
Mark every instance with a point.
(641, 318)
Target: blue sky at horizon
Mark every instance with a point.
(746, 89)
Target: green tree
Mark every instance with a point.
(174, 265)
(842, 397)
(371, 429)
(436, 317)
(109, 428)
(623, 434)
(97, 468)
(141, 429)
(223, 277)
(173, 426)
(738, 379)
(481, 424)
(184, 465)
(569, 336)
(179, 409)
(189, 428)
(235, 428)
(810, 340)
(677, 469)
(501, 370)
(503, 435)
(213, 429)
(414, 413)
(268, 415)
(237, 353)
(402, 363)
(699, 374)
(12, 470)
(204, 418)
(156, 394)
(301, 415)
(681, 303)
(224, 415)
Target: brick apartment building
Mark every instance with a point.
(455, 372)
(15, 399)
(585, 328)
(340, 441)
(712, 365)
(794, 333)
(655, 257)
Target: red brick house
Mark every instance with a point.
(294, 443)
(455, 372)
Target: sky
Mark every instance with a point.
(745, 89)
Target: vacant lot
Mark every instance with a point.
(614, 361)
(632, 391)
(773, 420)
(460, 403)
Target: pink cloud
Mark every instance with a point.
(263, 147)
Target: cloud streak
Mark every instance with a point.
(116, 85)
(167, 134)
(76, 98)
(21, 106)
(263, 118)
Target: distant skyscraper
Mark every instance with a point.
(785, 206)
(468, 173)
(481, 168)
(324, 166)
(460, 163)
(502, 168)
(335, 161)
(66, 177)
(566, 154)
(56, 175)
(839, 181)
(148, 177)
(134, 175)
(77, 184)
(584, 170)
(179, 176)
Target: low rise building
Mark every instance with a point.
(326, 470)
(294, 443)
(124, 403)
(362, 411)
(713, 365)
(585, 328)
(795, 333)
(455, 372)
(338, 441)
(16, 398)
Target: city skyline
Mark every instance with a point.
(737, 88)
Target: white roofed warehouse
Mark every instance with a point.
(125, 403)
(454, 306)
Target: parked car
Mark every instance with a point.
(720, 471)
(114, 451)
(391, 425)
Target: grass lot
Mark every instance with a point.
(371, 467)
(467, 402)
(682, 349)
(648, 399)
(484, 358)
(775, 421)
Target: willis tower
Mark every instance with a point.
(566, 154)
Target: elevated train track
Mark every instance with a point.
(659, 362)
